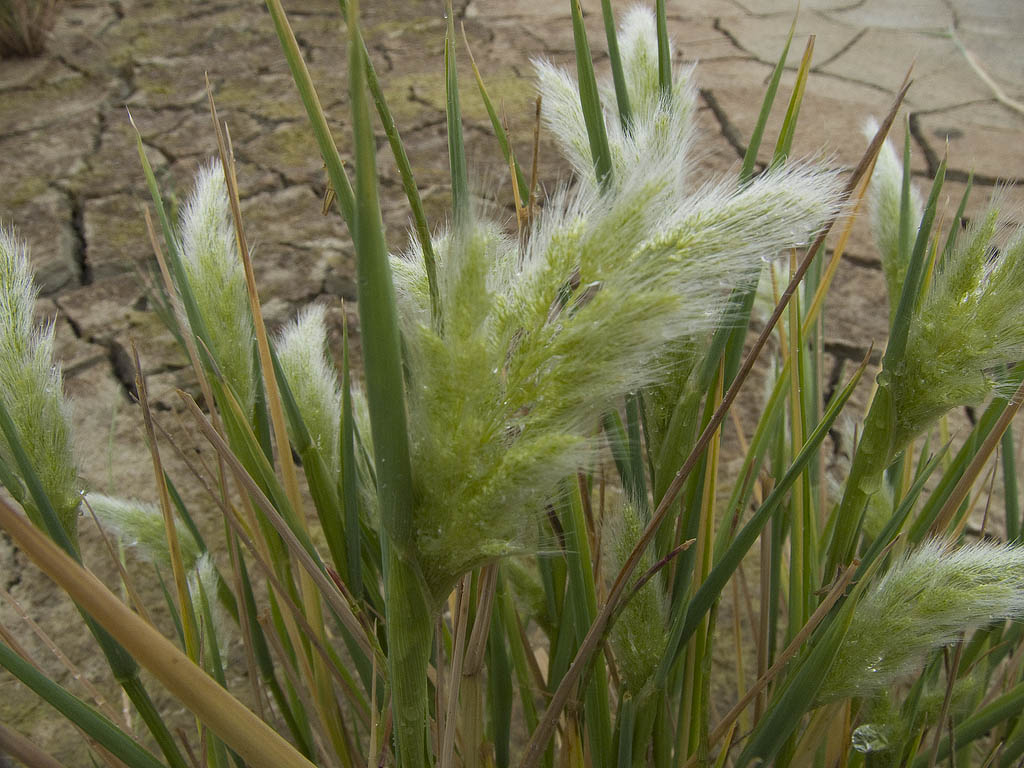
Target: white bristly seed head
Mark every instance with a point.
(539, 340)
(203, 585)
(311, 375)
(214, 269)
(966, 329)
(140, 525)
(32, 389)
(884, 194)
(922, 603)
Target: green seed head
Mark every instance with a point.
(884, 195)
(638, 637)
(923, 603)
(140, 525)
(540, 339)
(968, 327)
(217, 279)
(312, 378)
(32, 389)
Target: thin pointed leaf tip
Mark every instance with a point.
(540, 339)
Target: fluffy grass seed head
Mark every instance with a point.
(884, 195)
(969, 325)
(922, 603)
(216, 277)
(203, 585)
(302, 349)
(639, 636)
(660, 128)
(539, 340)
(140, 525)
(31, 388)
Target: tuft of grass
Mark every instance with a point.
(25, 26)
(520, 552)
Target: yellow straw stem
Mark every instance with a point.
(254, 741)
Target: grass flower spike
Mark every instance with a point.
(639, 637)
(921, 603)
(32, 390)
(885, 191)
(302, 349)
(660, 128)
(141, 525)
(539, 341)
(969, 325)
(216, 278)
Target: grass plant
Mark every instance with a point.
(24, 26)
(514, 540)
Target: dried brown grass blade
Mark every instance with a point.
(327, 588)
(20, 748)
(185, 611)
(254, 740)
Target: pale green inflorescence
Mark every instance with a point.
(639, 636)
(539, 340)
(32, 390)
(203, 586)
(217, 279)
(140, 525)
(884, 195)
(922, 603)
(968, 326)
(302, 349)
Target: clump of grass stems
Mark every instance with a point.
(512, 543)
(24, 26)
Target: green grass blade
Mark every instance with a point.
(911, 294)
(95, 725)
(499, 692)
(404, 167)
(618, 78)
(978, 724)
(409, 622)
(349, 478)
(453, 114)
(318, 121)
(505, 609)
(955, 224)
(785, 141)
(499, 132)
(625, 725)
(664, 54)
(1010, 494)
(787, 708)
(627, 453)
(590, 100)
(636, 451)
(750, 157)
(582, 594)
(379, 321)
(724, 567)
